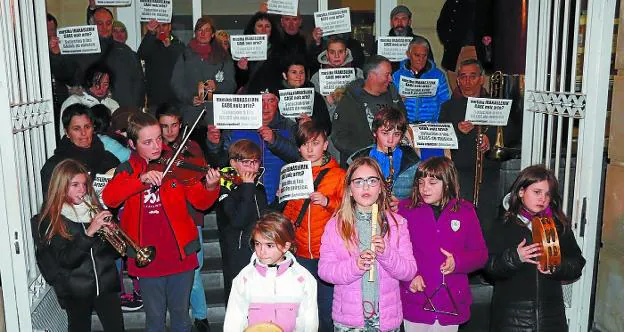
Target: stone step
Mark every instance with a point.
(135, 321)
(210, 221)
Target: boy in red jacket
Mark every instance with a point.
(157, 213)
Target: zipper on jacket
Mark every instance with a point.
(240, 239)
(171, 227)
(97, 282)
(310, 235)
(537, 302)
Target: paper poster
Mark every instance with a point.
(237, 111)
(296, 181)
(79, 39)
(283, 7)
(415, 87)
(159, 10)
(252, 47)
(393, 48)
(113, 3)
(333, 21)
(294, 102)
(489, 112)
(100, 181)
(332, 78)
(434, 135)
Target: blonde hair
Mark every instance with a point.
(345, 214)
(56, 197)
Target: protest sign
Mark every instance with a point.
(488, 112)
(113, 3)
(415, 87)
(294, 102)
(434, 135)
(393, 48)
(296, 181)
(332, 78)
(283, 7)
(159, 10)
(100, 181)
(333, 21)
(237, 111)
(79, 40)
(252, 47)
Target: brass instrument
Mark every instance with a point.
(498, 151)
(478, 177)
(120, 240)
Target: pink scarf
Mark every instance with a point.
(203, 50)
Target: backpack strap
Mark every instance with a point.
(307, 201)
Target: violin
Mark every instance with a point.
(188, 169)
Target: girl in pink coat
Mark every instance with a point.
(347, 260)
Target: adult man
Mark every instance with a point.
(157, 213)
(160, 50)
(293, 41)
(470, 83)
(275, 138)
(361, 101)
(128, 86)
(401, 26)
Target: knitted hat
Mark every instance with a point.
(119, 24)
(401, 9)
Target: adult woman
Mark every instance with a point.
(247, 71)
(80, 143)
(203, 60)
(86, 277)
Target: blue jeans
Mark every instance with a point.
(199, 309)
(325, 295)
(171, 293)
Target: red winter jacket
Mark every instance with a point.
(177, 199)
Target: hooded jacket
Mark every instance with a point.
(96, 159)
(351, 128)
(421, 109)
(308, 234)
(525, 299)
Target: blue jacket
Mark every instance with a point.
(274, 156)
(421, 109)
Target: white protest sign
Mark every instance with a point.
(393, 48)
(252, 47)
(100, 181)
(237, 111)
(113, 3)
(333, 21)
(283, 7)
(159, 10)
(79, 39)
(416, 87)
(434, 135)
(296, 181)
(332, 78)
(294, 102)
(488, 112)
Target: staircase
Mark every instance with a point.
(212, 277)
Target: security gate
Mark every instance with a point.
(567, 83)
(26, 139)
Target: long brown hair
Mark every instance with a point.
(346, 212)
(60, 181)
(443, 169)
(529, 176)
(275, 227)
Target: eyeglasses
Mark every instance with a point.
(372, 181)
(249, 162)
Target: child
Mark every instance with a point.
(310, 216)
(447, 244)
(521, 285)
(157, 212)
(86, 278)
(346, 257)
(240, 205)
(388, 127)
(273, 287)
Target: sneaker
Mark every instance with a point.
(130, 303)
(201, 325)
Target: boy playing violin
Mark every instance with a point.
(156, 213)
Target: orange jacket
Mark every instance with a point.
(177, 199)
(308, 235)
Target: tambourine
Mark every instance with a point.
(545, 233)
(263, 327)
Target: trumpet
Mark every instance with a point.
(498, 152)
(119, 240)
(478, 177)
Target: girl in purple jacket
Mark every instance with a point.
(347, 260)
(447, 244)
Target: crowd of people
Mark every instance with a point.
(309, 264)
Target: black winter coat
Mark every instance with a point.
(87, 264)
(524, 299)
